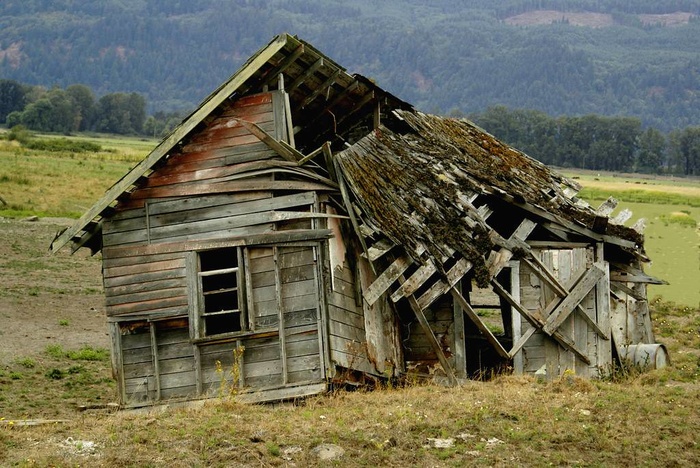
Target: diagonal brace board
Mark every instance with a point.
(585, 284)
(425, 325)
(545, 275)
(479, 324)
(537, 322)
(386, 278)
(440, 287)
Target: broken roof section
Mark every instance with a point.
(426, 186)
(324, 98)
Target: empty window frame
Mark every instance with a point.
(220, 280)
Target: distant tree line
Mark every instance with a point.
(589, 142)
(76, 109)
(595, 142)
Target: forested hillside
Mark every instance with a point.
(566, 57)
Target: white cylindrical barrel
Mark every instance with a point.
(650, 356)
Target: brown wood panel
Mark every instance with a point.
(135, 260)
(346, 331)
(222, 129)
(189, 391)
(299, 318)
(153, 313)
(300, 303)
(263, 368)
(142, 306)
(146, 266)
(336, 314)
(144, 296)
(178, 380)
(139, 369)
(144, 277)
(176, 365)
(141, 288)
(137, 355)
(344, 302)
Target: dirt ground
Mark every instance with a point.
(47, 299)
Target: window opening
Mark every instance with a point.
(219, 281)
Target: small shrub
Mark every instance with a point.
(63, 144)
(273, 449)
(29, 363)
(88, 353)
(55, 374)
(15, 375)
(19, 133)
(55, 351)
(680, 218)
(63, 322)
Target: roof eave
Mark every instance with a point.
(166, 145)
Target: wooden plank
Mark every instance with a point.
(603, 307)
(538, 322)
(275, 145)
(439, 288)
(545, 275)
(462, 302)
(144, 277)
(160, 293)
(207, 107)
(459, 346)
(379, 249)
(145, 267)
(415, 281)
(449, 371)
(583, 286)
(386, 279)
(521, 341)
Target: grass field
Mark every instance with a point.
(671, 208)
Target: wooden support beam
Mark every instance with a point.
(386, 279)
(284, 64)
(521, 341)
(412, 284)
(552, 281)
(326, 84)
(583, 286)
(462, 302)
(356, 107)
(379, 249)
(564, 341)
(284, 150)
(310, 156)
(309, 71)
(425, 325)
(440, 287)
(623, 288)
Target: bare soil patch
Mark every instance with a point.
(46, 299)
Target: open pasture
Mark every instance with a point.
(671, 208)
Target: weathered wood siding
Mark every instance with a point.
(440, 316)
(220, 186)
(346, 323)
(543, 353)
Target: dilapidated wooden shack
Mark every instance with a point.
(304, 226)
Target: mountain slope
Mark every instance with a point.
(445, 55)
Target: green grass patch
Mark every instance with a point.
(63, 144)
(86, 353)
(640, 196)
